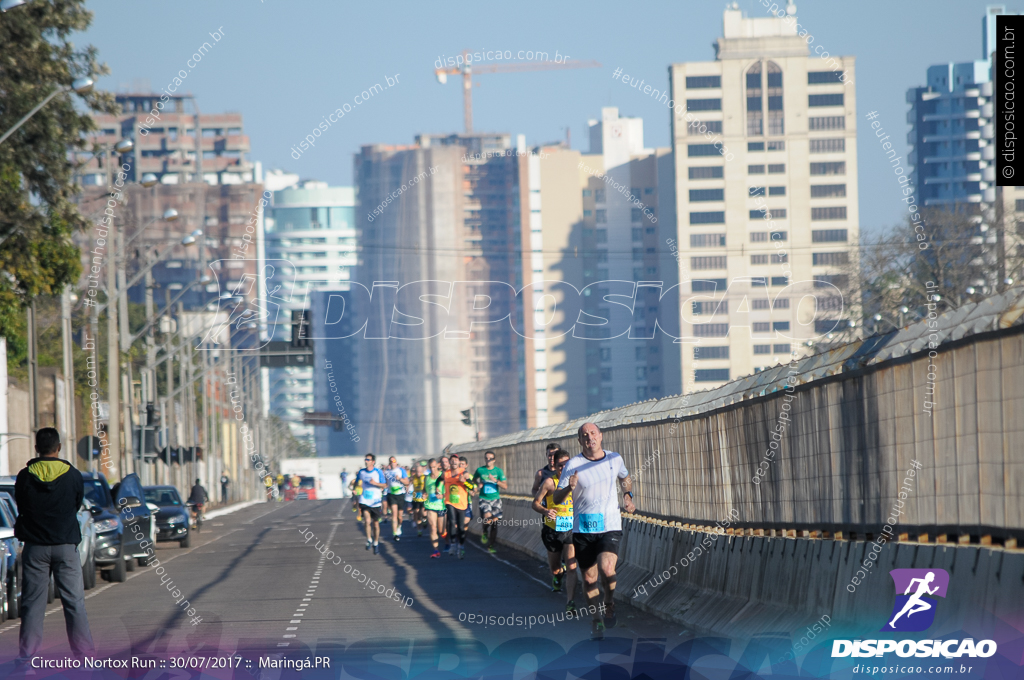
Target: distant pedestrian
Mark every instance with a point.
(345, 477)
(49, 492)
(224, 481)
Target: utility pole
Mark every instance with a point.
(33, 376)
(69, 367)
(94, 351)
(113, 349)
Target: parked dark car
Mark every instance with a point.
(4, 601)
(112, 554)
(138, 520)
(12, 560)
(172, 519)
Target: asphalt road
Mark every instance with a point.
(261, 586)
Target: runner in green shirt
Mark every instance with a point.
(433, 503)
(491, 480)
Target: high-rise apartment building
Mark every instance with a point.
(766, 195)
(491, 172)
(223, 213)
(588, 231)
(953, 157)
(412, 387)
(312, 227)
(166, 145)
(951, 129)
(222, 205)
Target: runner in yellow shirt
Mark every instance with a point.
(557, 532)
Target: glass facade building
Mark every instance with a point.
(313, 228)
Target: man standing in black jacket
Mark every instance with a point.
(49, 492)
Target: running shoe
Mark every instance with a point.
(368, 544)
(570, 607)
(556, 582)
(483, 539)
(436, 553)
(462, 553)
(597, 630)
(609, 616)
(396, 537)
(492, 550)
(419, 532)
(376, 549)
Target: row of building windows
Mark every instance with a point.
(754, 102)
(779, 348)
(719, 261)
(772, 191)
(820, 281)
(817, 190)
(777, 145)
(721, 330)
(816, 146)
(722, 306)
(775, 258)
(773, 169)
(771, 214)
(718, 240)
(813, 78)
(815, 123)
(828, 145)
(764, 236)
(817, 214)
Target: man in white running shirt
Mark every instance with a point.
(597, 524)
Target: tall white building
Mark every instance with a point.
(766, 195)
(313, 227)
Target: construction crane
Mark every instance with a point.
(467, 70)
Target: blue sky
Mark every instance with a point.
(285, 64)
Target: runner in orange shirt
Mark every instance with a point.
(457, 487)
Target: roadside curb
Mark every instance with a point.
(220, 512)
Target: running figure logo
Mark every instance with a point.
(915, 611)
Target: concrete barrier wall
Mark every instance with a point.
(741, 586)
(845, 443)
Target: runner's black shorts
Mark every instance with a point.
(374, 511)
(589, 546)
(553, 540)
(397, 499)
(417, 505)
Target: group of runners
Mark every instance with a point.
(437, 492)
(576, 495)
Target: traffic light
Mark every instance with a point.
(467, 416)
(300, 328)
(152, 415)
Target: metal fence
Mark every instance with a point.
(847, 432)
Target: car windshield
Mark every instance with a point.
(307, 482)
(162, 497)
(97, 493)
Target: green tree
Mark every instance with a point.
(37, 211)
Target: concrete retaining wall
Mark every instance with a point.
(741, 586)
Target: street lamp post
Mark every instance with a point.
(80, 86)
(113, 355)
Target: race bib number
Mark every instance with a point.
(490, 487)
(368, 494)
(453, 494)
(564, 523)
(592, 523)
